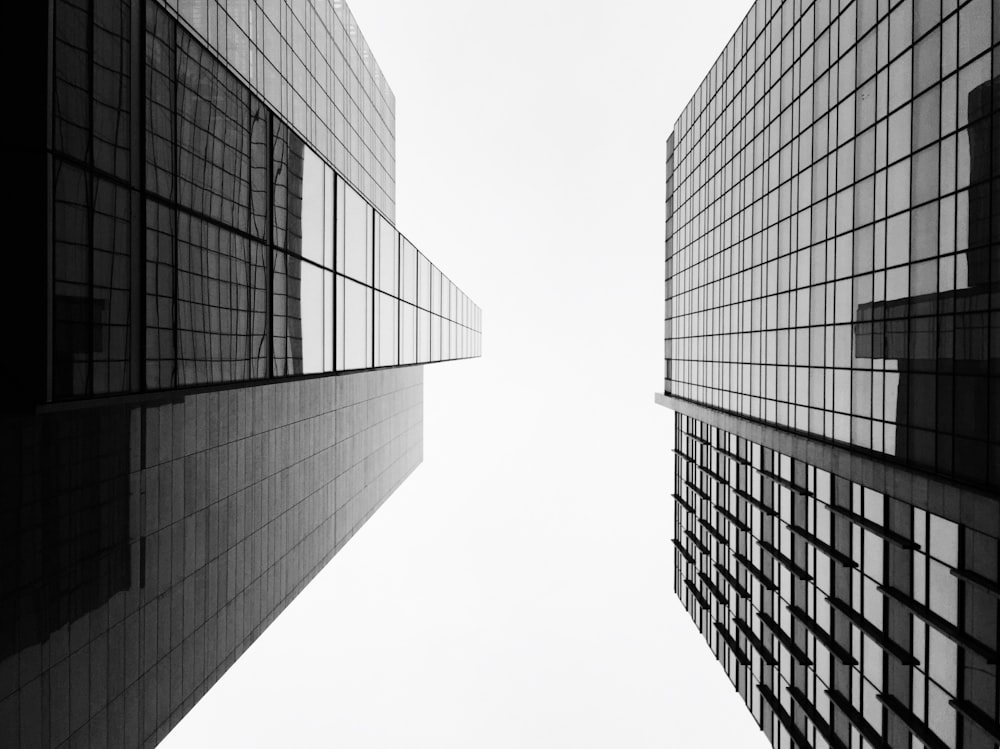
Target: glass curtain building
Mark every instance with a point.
(218, 349)
(832, 344)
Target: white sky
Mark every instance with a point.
(516, 591)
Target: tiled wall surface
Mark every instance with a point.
(144, 547)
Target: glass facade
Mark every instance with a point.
(220, 347)
(309, 62)
(832, 346)
(259, 258)
(213, 244)
(834, 189)
(843, 615)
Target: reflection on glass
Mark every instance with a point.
(933, 327)
(237, 203)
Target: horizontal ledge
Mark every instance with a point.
(684, 552)
(978, 580)
(866, 729)
(978, 717)
(823, 547)
(887, 644)
(942, 625)
(822, 635)
(879, 530)
(916, 726)
(733, 645)
(785, 561)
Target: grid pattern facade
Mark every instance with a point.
(144, 548)
(844, 617)
(215, 218)
(199, 239)
(308, 60)
(832, 223)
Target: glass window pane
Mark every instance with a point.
(311, 320)
(943, 589)
(423, 282)
(311, 207)
(355, 229)
(407, 334)
(435, 338)
(435, 291)
(328, 321)
(387, 321)
(408, 272)
(423, 336)
(354, 325)
(388, 257)
(328, 213)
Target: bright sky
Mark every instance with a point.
(516, 591)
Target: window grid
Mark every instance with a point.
(239, 217)
(828, 219)
(849, 589)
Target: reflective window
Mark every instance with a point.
(387, 321)
(354, 219)
(387, 267)
(250, 236)
(888, 156)
(354, 325)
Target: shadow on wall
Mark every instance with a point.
(65, 544)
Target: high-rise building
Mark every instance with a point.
(214, 372)
(832, 353)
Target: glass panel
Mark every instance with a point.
(160, 74)
(72, 305)
(407, 334)
(435, 338)
(312, 319)
(311, 207)
(388, 257)
(943, 590)
(355, 227)
(213, 136)
(328, 213)
(408, 272)
(111, 283)
(435, 291)
(259, 155)
(221, 304)
(387, 341)
(328, 321)
(160, 239)
(423, 336)
(944, 539)
(423, 282)
(354, 325)
(110, 104)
